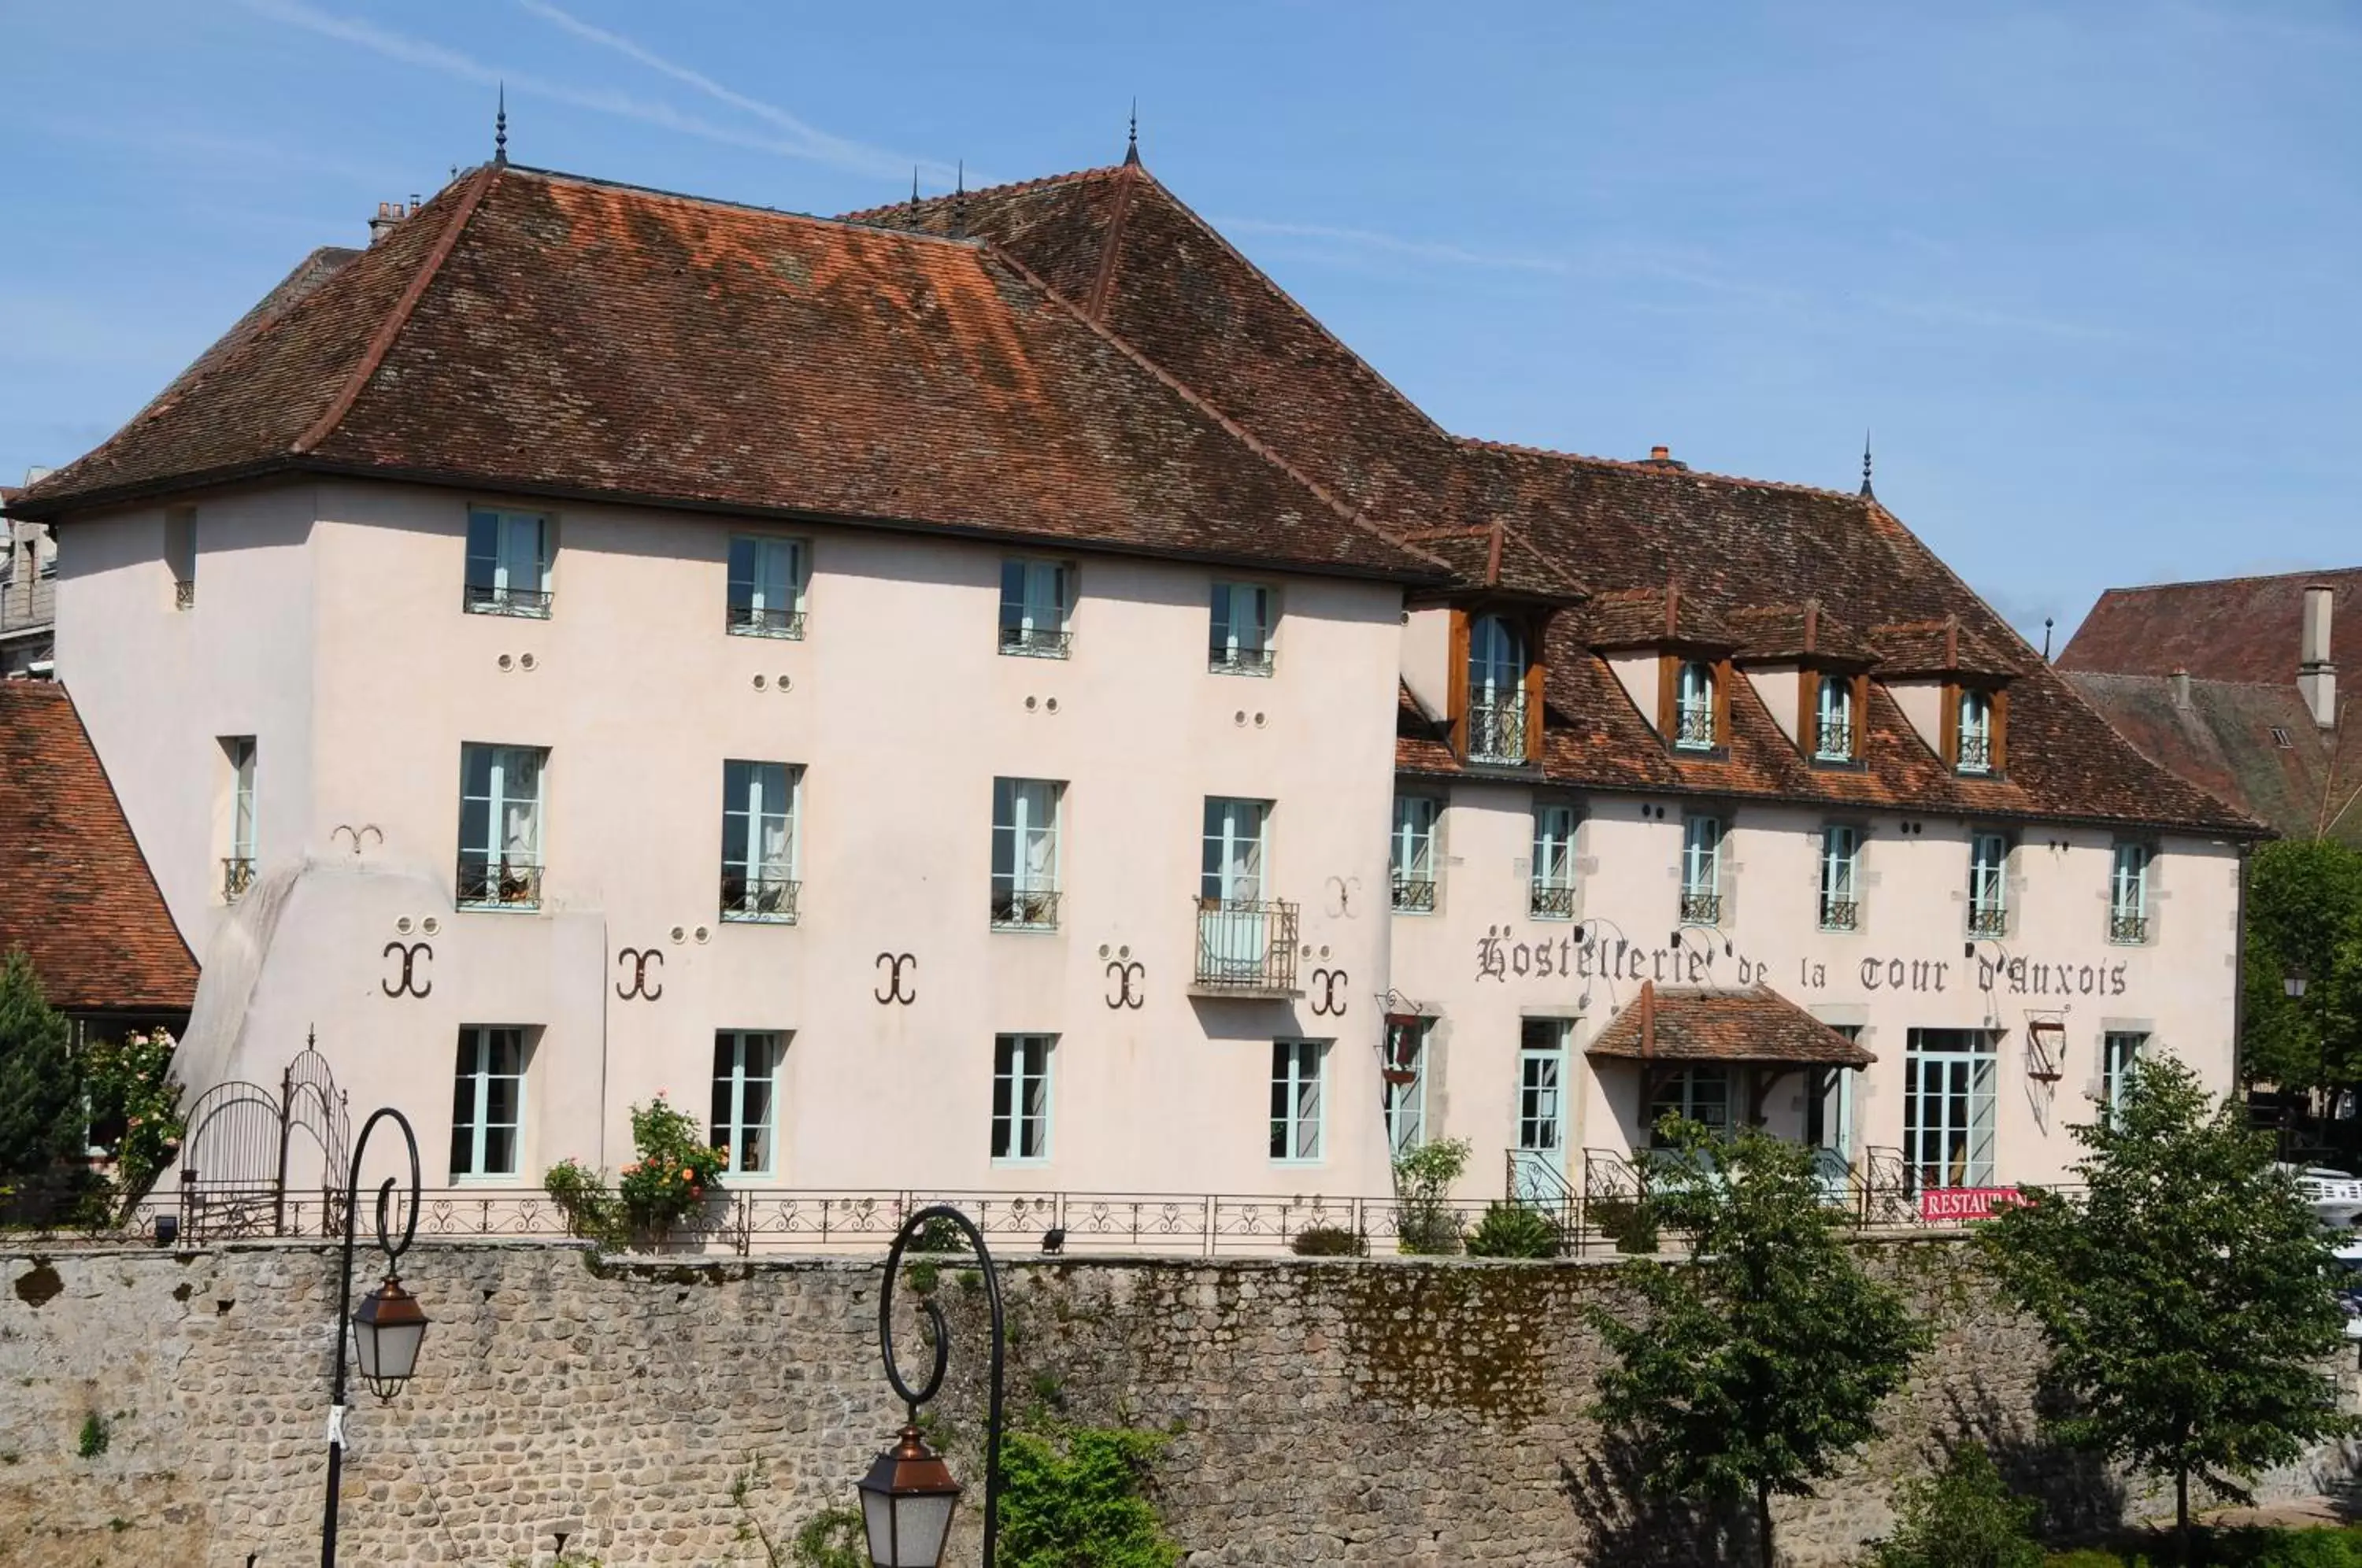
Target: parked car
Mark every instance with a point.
(2335, 1197)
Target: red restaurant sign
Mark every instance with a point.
(1943, 1205)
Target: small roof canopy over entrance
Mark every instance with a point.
(1751, 1027)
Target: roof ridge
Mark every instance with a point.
(2225, 581)
(1112, 241)
(381, 342)
(1238, 432)
(1635, 465)
(755, 209)
(1005, 188)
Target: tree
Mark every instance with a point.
(2304, 912)
(1754, 1369)
(2186, 1295)
(40, 1095)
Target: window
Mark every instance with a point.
(237, 866)
(1693, 1094)
(1240, 640)
(1833, 720)
(1036, 598)
(500, 826)
(1295, 1099)
(1947, 1109)
(1693, 726)
(2119, 1058)
(180, 554)
(1976, 741)
(758, 841)
(1988, 885)
(1551, 896)
(1232, 866)
(1701, 870)
(2128, 895)
(1541, 1089)
(745, 1071)
(2281, 739)
(767, 586)
(486, 1104)
(1841, 874)
(1244, 940)
(1403, 1085)
(508, 563)
(1412, 853)
(1496, 690)
(1025, 853)
(1020, 1097)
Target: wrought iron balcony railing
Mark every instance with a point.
(1987, 919)
(502, 883)
(487, 598)
(1839, 914)
(756, 897)
(1701, 908)
(1497, 731)
(1246, 945)
(1976, 753)
(1025, 909)
(1238, 661)
(1836, 743)
(2128, 927)
(184, 594)
(1549, 900)
(237, 876)
(745, 621)
(1415, 895)
(1036, 642)
(1693, 729)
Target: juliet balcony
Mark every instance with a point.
(1497, 731)
(768, 900)
(1245, 948)
(503, 883)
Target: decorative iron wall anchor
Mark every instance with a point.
(1329, 989)
(413, 980)
(1129, 978)
(640, 958)
(892, 991)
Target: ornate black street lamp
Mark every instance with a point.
(908, 1495)
(389, 1325)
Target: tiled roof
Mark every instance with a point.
(1657, 616)
(2238, 629)
(1795, 632)
(549, 334)
(2254, 745)
(75, 893)
(1495, 555)
(1121, 245)
(1946, 646)
(1702, 1024)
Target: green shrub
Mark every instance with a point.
(1426, 1224)
(1628, 1222)
(1071, 1498)
(2301, 1548)
(1962, 1517)
(580, 1193)
(1329, 1242)
(94, 1436)
(1515, 1231)
(134, 1107)
(675, 1167)
(938, 1235)
(834, 1539)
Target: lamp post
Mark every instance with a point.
(908, 1495)
(389, 1325)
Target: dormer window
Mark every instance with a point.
(1833, 727)
(1694, 708)
(1496, 690)
(1974, 752)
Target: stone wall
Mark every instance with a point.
(1389, 1410)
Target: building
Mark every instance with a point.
(28, 593)
(990, 694)
(75, 894)
(2232, 684)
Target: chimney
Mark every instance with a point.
(2180, 687)
(1663, 457)
(388, 214)
(2316, 677)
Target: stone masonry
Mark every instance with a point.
(1383, 1411)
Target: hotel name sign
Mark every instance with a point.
(1701, 960)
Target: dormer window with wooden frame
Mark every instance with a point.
(1497, 712)
(1839, 703)
(1695, 705)
(1829, 665)
(1973, 729)
(1951, 682)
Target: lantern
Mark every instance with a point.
(387, 1328)
(906, 1505)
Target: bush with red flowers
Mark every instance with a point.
(676, 1169)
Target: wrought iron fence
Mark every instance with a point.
(1036, 642)
(1224, 660)
(1246, 945)
(1025, 909)
(488, 883)
(491, 599)
(1497, 731)
(745, 898)
(1988, 919)
(1701, 908)
(1975, 753)
(2128, 927)
(1415, 894)
(237, 876)
(1693, 728)
(1545, 900)
(1835, 744)
(748, 621)
(1839, 914)
(185, 593)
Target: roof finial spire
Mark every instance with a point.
(501, 128)
(1131, 141)
(1866, 490)
(959, 203)
(913, 215)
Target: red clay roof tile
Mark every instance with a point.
(1702, 1024)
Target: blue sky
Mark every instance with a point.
(2088, 272)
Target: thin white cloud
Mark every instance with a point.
(819, 145)
(1392, 245)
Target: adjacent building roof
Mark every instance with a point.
(549, 334)
(1702, 1024)
(1134, 257)
(2241, 628)
(75, 893)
